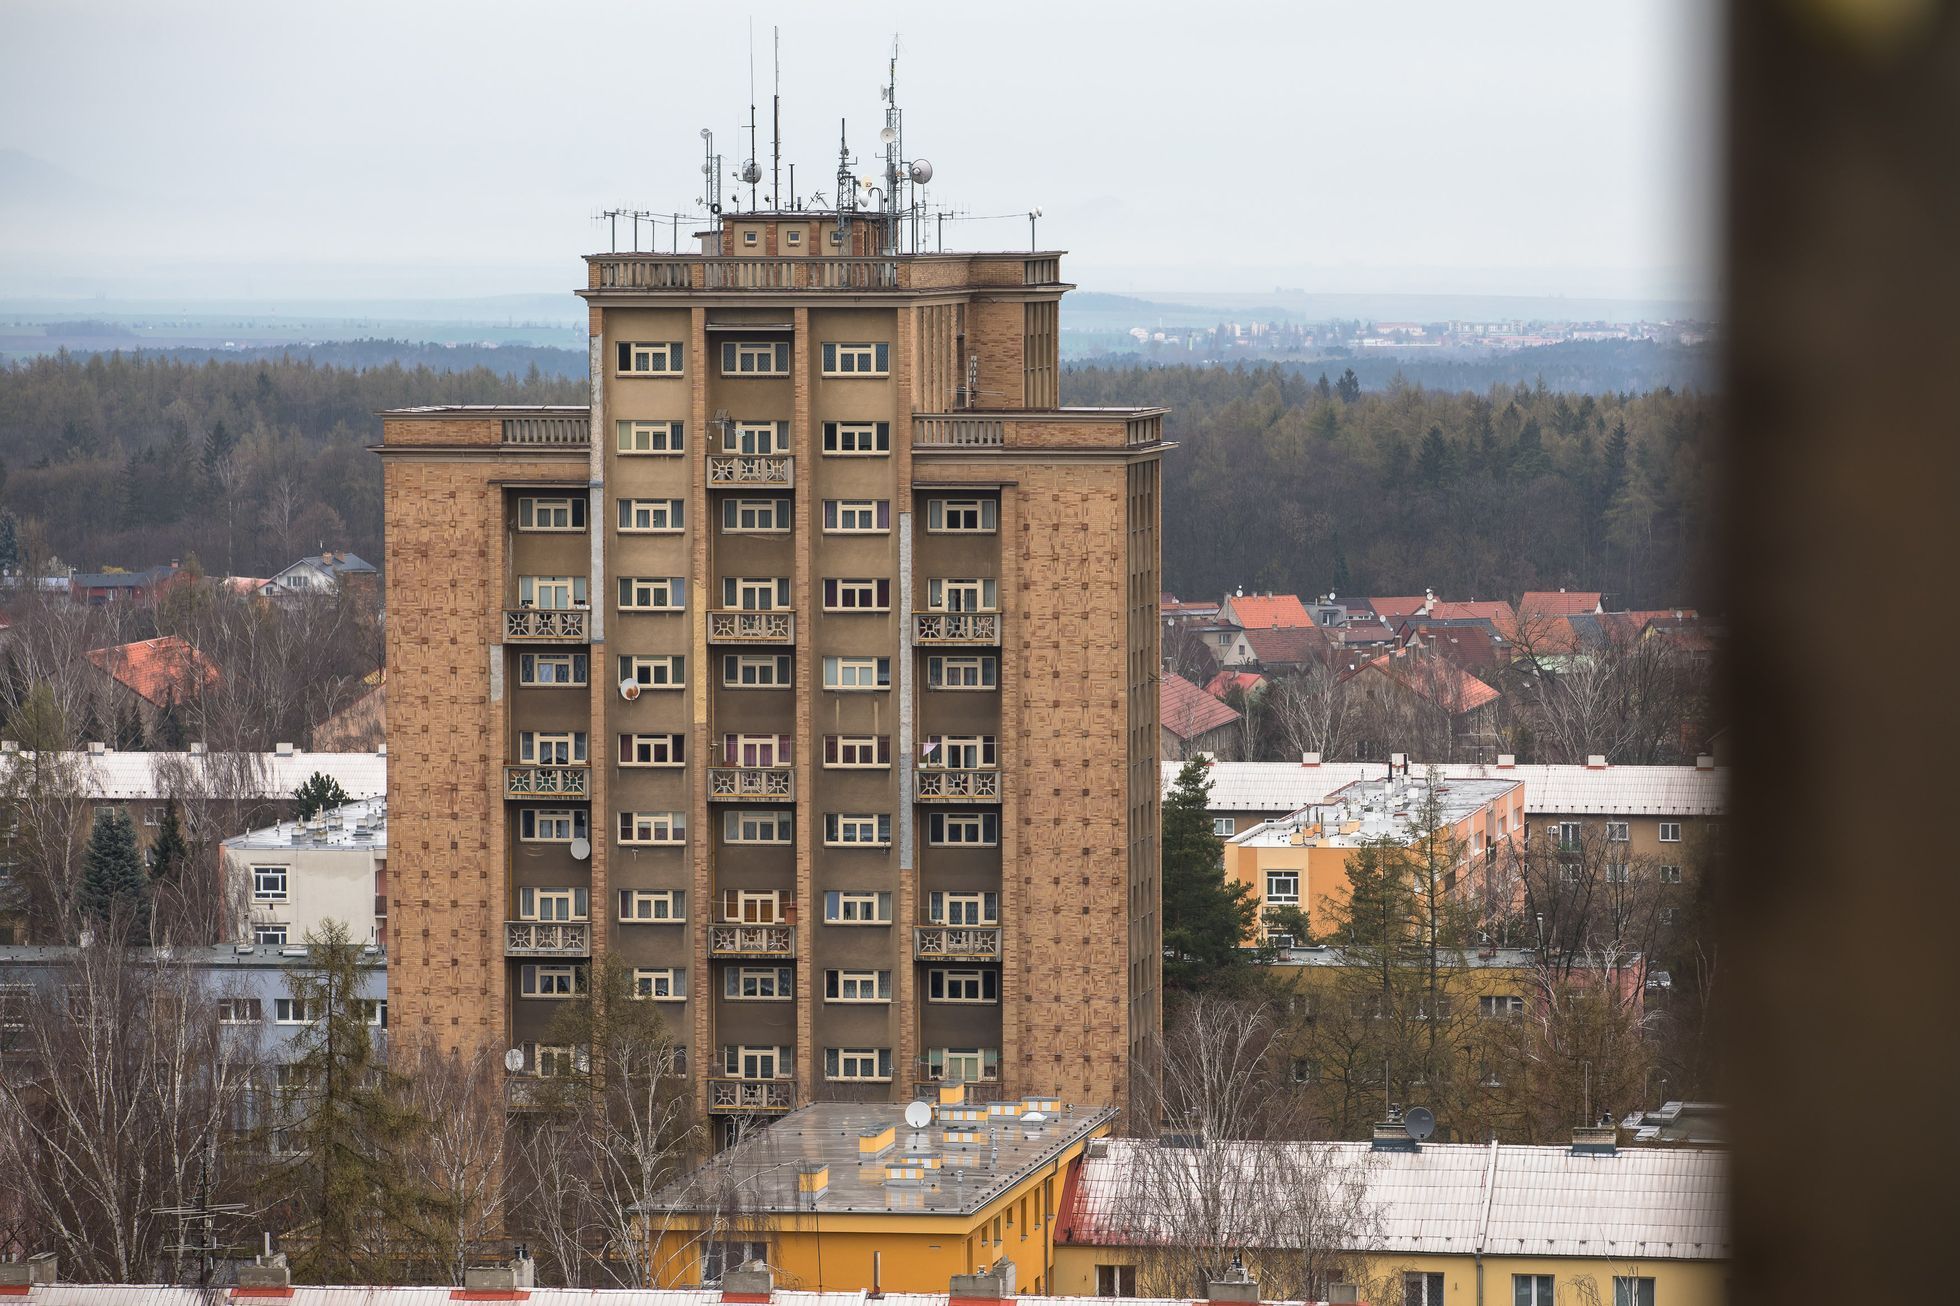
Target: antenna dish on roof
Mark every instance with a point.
(580, 849)
(514, 1060)
(918, 1115)
(920, 171)
(1420, 1121)
(887, 135)
(751, 174)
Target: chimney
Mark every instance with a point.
(284, 748)
(992, 1284)
(1310, 759)
(1505, 761)
(39, 1268)
(9, 746)
(1705, 762)
(519, 1273)
(813, 1179)
(97, 748)
(1233, 1285)
(270, 1271)
(1601, 1139)
(753, 1280)
(1595, 761)
(197, 750)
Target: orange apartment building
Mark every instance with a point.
(764, 674)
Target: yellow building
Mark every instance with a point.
(855, 1196)
(1448, 1224)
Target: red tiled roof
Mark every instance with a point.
(158, 670)
(1366, 633)
(1559, 603)
(1488, 610)
(1539, 632)
(1187, 711)
(1226, 681)
(1266, 611)
(1391, 608)
(1287, 646)
(1437, 679)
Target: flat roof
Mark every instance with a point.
(115, 775)
(763, 1169)
(1377, 809)
(358, 826)
(217, 956)
(1550, 789)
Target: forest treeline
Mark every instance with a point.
(1281, 480)
(1300, 483)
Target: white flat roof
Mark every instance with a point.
(118, 776)
(1548, 789)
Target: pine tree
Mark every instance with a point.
(114, 886)
(1348, 387)
(168, 853)
(9, 540)
(1206, 921)
(318, 793)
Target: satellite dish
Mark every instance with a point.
(887, 135)
(918, 1115)
(1420, 1121)
(751, 173)
(921, 171)
(629, 689)
(581, 849)
(514, 1060)
(706, 134)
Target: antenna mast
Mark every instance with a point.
(711, 188)
(776, 128)
(846, 189)
(891, 137)
(751, 171)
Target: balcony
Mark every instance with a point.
(560, 431)
(1079, 429)
(545, 625)
(942, 628)
(936, 784)
(547, 939)
(736, 940)
(547, 781)
(742, 1096)
(958, 432)
(692, 272)
(728, 783)
(726, 626)
(956, 942)
(751, 469)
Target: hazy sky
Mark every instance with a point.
(420, 147)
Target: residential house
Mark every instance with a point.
(1264, 611)
(154, 676)
(320, 573)
(1192, 721)
(1561, 603)
(1419, 703)
(1391, 609)
(288, 880)
(362, 725)
(1247, 683)
(1282, 649)
(1472, 643)
(104, 588)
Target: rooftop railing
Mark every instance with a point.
(769, 274)
(547, 430)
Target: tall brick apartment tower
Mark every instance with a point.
(809, 672)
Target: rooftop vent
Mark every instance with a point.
(754, 1279)
(283, 748)
(1310, 759)
(97, 748)
(1705, 762)
(1601, 1139)
(1505, 761)
(520, 1273)
(266, 1272)
(197, 750)
(39, 1268)
(1595, 761)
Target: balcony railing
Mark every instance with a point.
(730, 1096)
(958, 432)
(733, 940)
(978, 1092)
(931, 784)
(732, 627)
(957, 628)
(560, 431)
(557, 625)
(970, 942)
(730, 782)
(751, 469)
(696, 273)
(547, 781)
(547, 939)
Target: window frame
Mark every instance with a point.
(941, 824)
(1664, 827)
(849, 986)
(747, 983)
(577, 668)
(651, 829)
(662, 516)
(264, 888)
(848, 1065)
(647, 981)
(781, 515)
(674, 902)
(637, 593)
(986, 516)
(838, 825)
(659, 358)
(836, 747)
(531, 505)
(652, 750)
(781, 667)
(986, 667)
(665, 438)
(857, 517)
(838, 435)
(985, 982)
(867, 359)
(839, 906)
(639, 667)
(743, 826)
(577, 822)
(835, 667)
(737, 354)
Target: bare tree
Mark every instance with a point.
(1309, 710)
(462, 1150)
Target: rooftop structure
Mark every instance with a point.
(1549, 789)
(1368, 811)
(113, 775)
(362, 824)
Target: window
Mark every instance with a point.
(717, 1258)
(1494, 1005)
(1568, 873)
(857, 907)
(566, 904)
(754, 357)
(755, 438)
(857, 673)
(656, 672)
(551, 825)
(1224, 826)
(1568, 835)
(1116, 1281)
(555, 1060)
(756, 670)
(757, 827)
(1283, 888)
(650, 437)
(793, 237)
(551, 748)
(1617, 832)
(1422, 1289)
(857, 1064)
(743, 1062)
(860, 439)
(376, 1012)
(1668, 915)
(755, 516)
(1670, 874)
(1632, 1290)
(1670, 832)
(653, 750)
(963, 908)
(856, 359)
(856, 516)
(660, 906)
(646, 516)
(854, 831)
(980, 595)
(240, 1011)
(269, 936)
(979, 672)
(269, 883)
(551, 669)
(843, 751)
(957, 752)
(666, 985)
(963, 986)
(293, 1011)
(648, 358)
(554, 593)
(752, 906)
(857, 986)
(755, 593)
(963, 1065)
(653, 827)
(553, 981)
(1303, 1071)
(975, 829)
(652, 593)
(962, 516)
(749, 237)
(759, 983)
(556, 514)
(1531, 1290)
(755, 750)
(866, 595)
(153, 815)
(1618, 872)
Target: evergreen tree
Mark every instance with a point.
(114, 886)
(218, 444)
(168, 853)
(129, 729)
(9, 541)
(319, 792)
(349, 1186)
(1348, 387)
(1323, 389)
(1206, 921)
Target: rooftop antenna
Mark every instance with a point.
(613, 216)
(776, 126)
(846, 189)
(711, 188)
(891, 136)
(751, 171)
